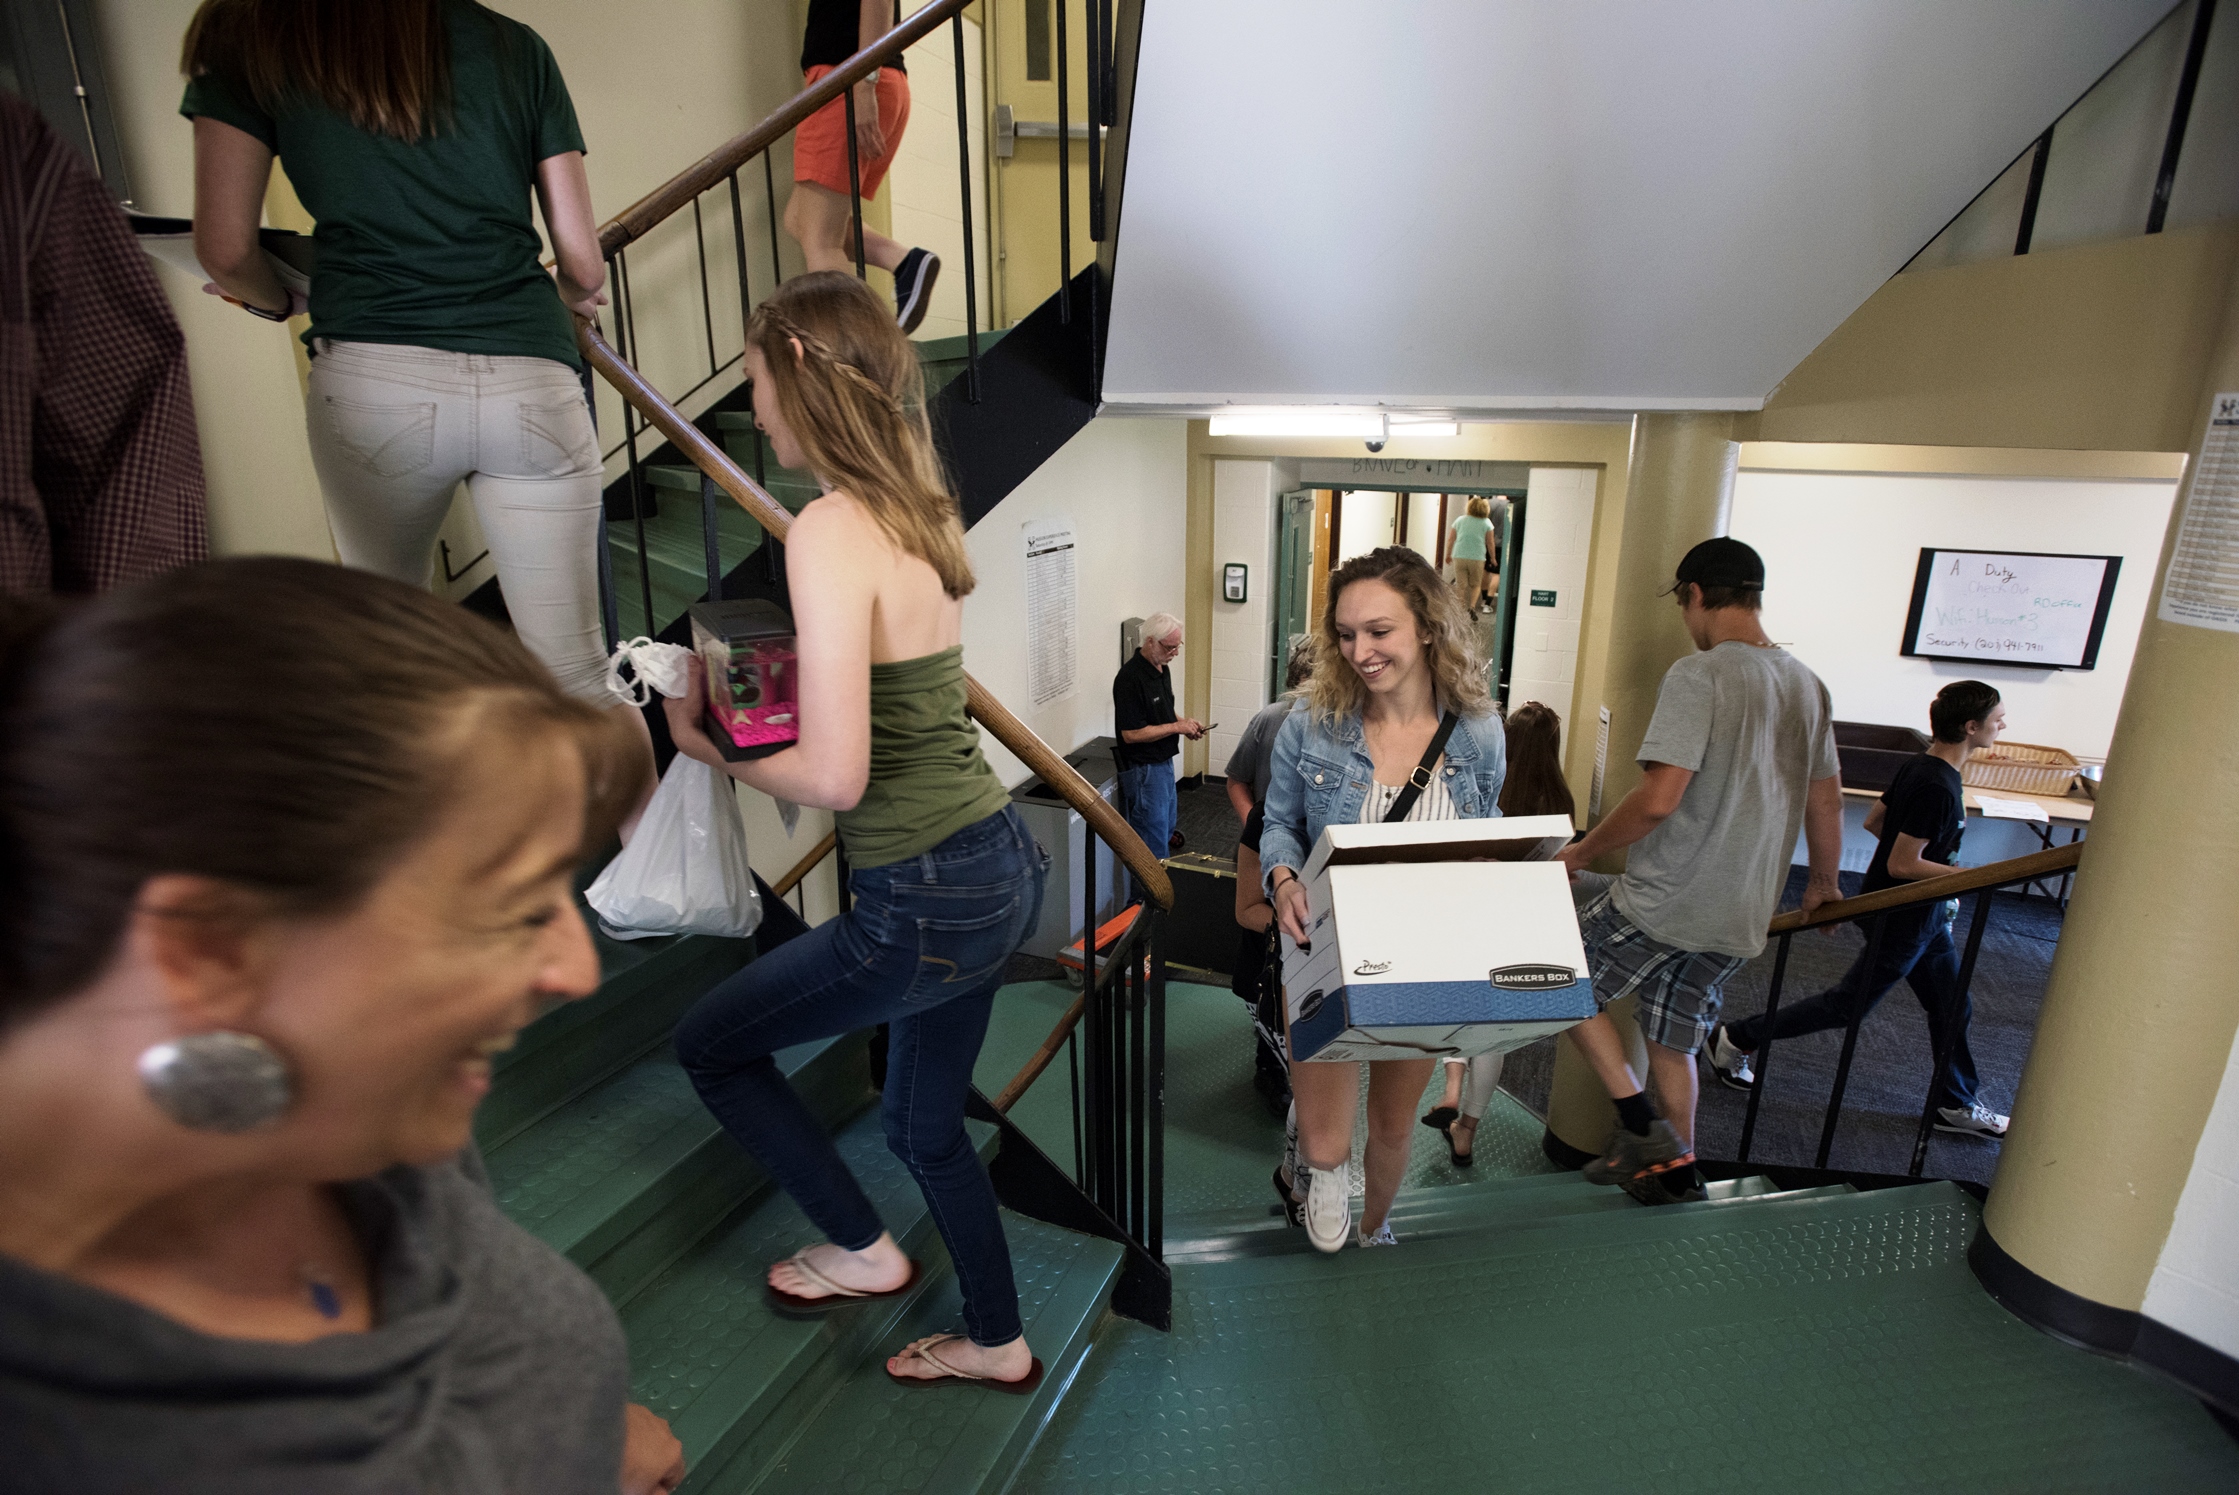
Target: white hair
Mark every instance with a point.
(1161, 626)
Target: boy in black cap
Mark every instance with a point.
(1739, 755)
(1919, 821)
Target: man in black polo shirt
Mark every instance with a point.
(1149, 733)
(1919, 822)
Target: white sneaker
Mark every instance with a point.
(1383, 1237)
(1730, 1064)
(1329, 1209)
(1977, 1120)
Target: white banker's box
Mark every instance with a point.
(1418, 950)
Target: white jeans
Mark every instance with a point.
(1479, 1083)
(395, 430)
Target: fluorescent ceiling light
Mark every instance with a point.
(1402, 425)
(1301, 422)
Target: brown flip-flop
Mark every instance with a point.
(794, 1305)
(951, 1376)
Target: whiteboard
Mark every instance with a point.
(2014, 608)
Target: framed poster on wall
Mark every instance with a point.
(2023, 608)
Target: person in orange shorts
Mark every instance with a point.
(819, 214)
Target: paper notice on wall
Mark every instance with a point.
(2202, 588)
(1052, 600)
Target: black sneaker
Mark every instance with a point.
(913, 286)
(1732, 1065)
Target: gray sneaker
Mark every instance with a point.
(1977, 1120)
(1631, 1159)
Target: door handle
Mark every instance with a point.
(1009, 129)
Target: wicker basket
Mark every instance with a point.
(2021, 768)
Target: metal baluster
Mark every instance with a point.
(1155, 1240)
(1073, 1068)
(1095, 121)
(1111, 63)
(610, 622)
(707, 306)
(769, 196)
(708, 498)
(964, 171)
(1138, 1096)
(854, 183)
(1764, 1049)
(1871, 972)
(618, 273)
(1943, 1050)
(839, 868)
(1064, 183)
(738, 243)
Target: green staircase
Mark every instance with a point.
(675, 535)
(1530, 1332)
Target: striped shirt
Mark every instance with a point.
(1433, 804)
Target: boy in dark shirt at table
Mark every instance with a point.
(1918, 821)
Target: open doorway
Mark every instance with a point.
(1318, 529)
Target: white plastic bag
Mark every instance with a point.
(685, 870)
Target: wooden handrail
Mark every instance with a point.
(1032, 1069)
(990, 713)
(634, 221)
(1934, 889)
(806, 865)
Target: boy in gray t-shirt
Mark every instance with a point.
(1738, 757)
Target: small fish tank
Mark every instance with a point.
(753, 691)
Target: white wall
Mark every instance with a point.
(1364, 522)
(1665, 206)
(1422, 525)
(2195, 1285)
(1841, 550)
(1243, 530)
(1558, 539)
(1123, 484)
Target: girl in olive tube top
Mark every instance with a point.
(946, 882)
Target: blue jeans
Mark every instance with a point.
(1916, 946)
(1147, 797)
(922, 950)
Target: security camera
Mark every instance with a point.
(1374, 446)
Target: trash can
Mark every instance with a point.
(1065, 836)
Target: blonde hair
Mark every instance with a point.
(1480, 507)
(1457, 669)
(855, 398)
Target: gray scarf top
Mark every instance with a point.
(493, 1365)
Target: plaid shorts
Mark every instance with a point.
(1680, 991)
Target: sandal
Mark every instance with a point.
(1438, 1118)
(1454, 1154)
(794, 1305)
(950, 1375)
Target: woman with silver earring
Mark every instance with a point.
(285, 858)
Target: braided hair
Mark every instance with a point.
(854, 396)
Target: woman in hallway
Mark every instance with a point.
(415, 132)
(820, 213)
(1534, 786)
(1468, 532)
(1398, 726)
(257, 959)
(946, 880)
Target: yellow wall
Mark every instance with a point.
(1601, 445)
(2099, 347)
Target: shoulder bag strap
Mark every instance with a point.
(1419, 780)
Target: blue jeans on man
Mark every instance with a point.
(1916, 946)
(1148, 800)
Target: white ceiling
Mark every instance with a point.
(1510, 206)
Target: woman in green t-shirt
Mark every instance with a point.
(1469, 553)
(946, 880)
(415, 132)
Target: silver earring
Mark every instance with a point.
(218, 1082)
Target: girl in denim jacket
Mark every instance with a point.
(1396, 650)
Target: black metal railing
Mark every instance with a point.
(1873, 912)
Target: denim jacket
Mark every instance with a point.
(1321, 773)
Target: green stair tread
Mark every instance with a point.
(1836, 1342)
(705, 1349)
(581, 1167)
(875, 1436)
(1221, 1143)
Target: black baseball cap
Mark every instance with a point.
(1723, 562)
